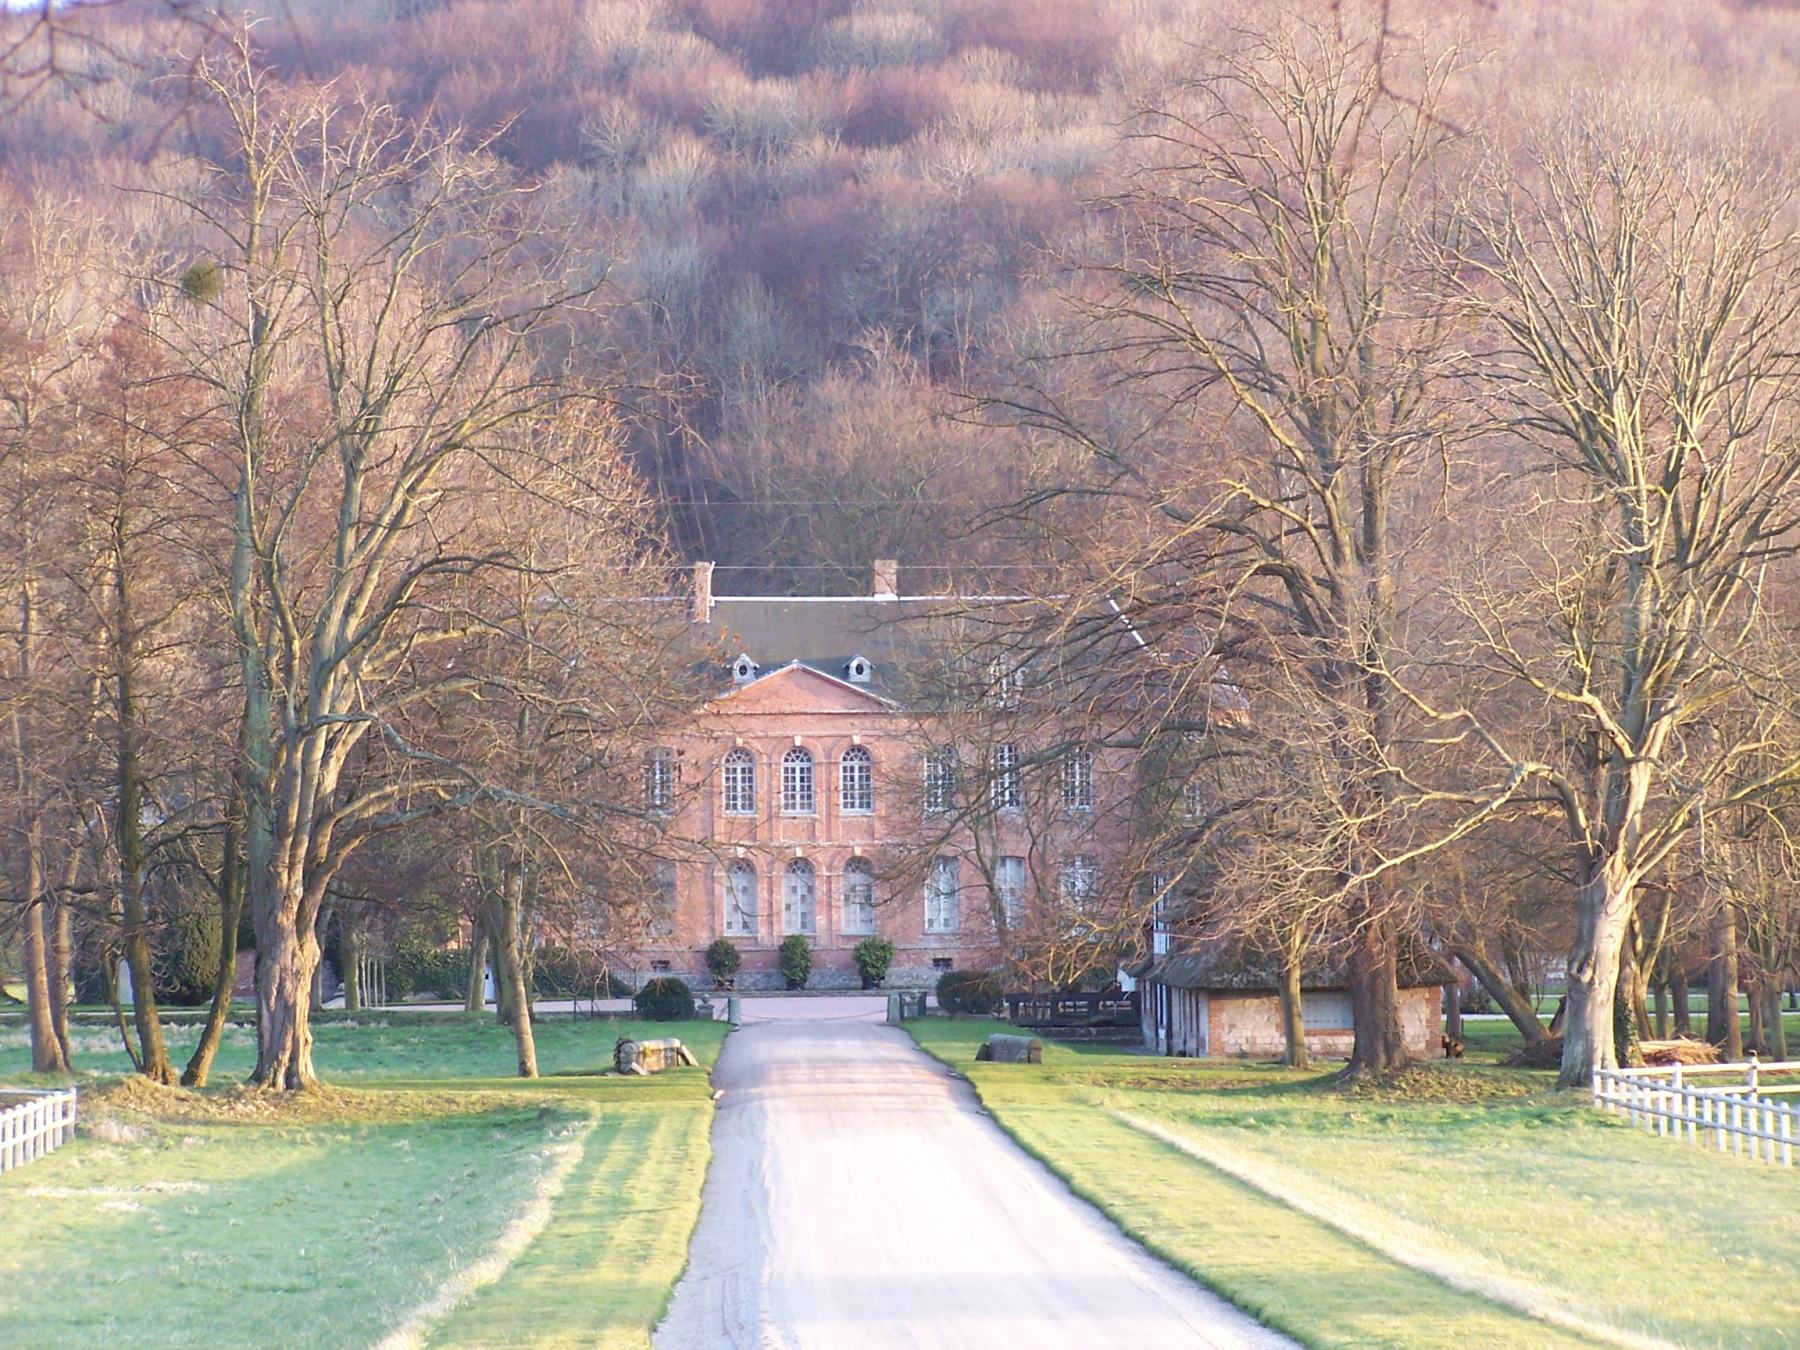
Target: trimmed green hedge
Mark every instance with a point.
(873, 956)
(796, 960)
(969, 991)
(665, 999)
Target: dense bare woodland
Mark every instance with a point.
(1417, 383)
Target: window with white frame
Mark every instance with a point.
(1006, 681)
(856, 782)
(859, 896)
(1078, 780)
(799, 897)
(740, 898)
(1193, 799)
(797, 782)
(1080, 881)
(1008, 794)
(739, 774)
(940, 779)
(662, 912)
(943, 897)
(659, 779)
(1009, 886)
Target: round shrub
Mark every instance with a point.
(187, 963)
(873, 956)
(796, 960)
(969, 991)
(664, 999)
(723, 959)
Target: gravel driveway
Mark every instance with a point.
(859, 1199)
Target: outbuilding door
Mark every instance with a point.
(1189, 1024)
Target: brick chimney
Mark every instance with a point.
(703, 596)
(887, 579)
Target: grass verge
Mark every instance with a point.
(333, 1218)
(1263, 1183)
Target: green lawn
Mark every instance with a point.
(556, 1212)
(1425, 1216)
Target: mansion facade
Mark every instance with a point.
(813, 796)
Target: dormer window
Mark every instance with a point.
(743, 670)
(858, 670)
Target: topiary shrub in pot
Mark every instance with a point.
(664, 999)
(723, 960)
(873, 956)
(796, 960)
(969, 991)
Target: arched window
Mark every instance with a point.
(859, 896)
(740, 783)
(856, 782)
(1078, 780)
(740, 898)
(943, 898)
(797, 783)
(1008, 795)
(799, 893)
(659, 779)
(940, 779)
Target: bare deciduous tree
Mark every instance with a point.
(1637, 275)
(369, 313)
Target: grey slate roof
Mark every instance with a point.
(1222, 966)
(824, 634)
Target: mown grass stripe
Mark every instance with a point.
(598, 1274)
(1400, 1241)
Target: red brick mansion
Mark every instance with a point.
(815, 797)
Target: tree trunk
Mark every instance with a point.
(1661, 990)
(1756, 1043)
(47, 1054)
(1604, 903)
(1293, 1013)
(286, 961)
(61, 935)
(230, 890)
(112, 997)
(1514, 1004)
(503, 926)
(1453, 1027)
(350, 950)
(1775, 1032)
(1378, 1047)
(145, 1019)
(477, 997)
(1627, 1044)
(1722, 1026)
(1678, 996)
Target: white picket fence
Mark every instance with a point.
(33, 1124)
(1728, 1107)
